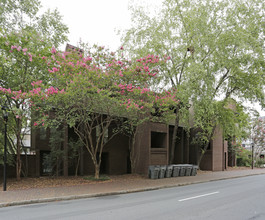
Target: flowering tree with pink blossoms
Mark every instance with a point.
(258, 135)
(26, 37)
(97, 93)
(22, 61)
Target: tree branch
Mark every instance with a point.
(223, 78)
(182, 68)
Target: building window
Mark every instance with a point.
(158, 139)
(43, 134)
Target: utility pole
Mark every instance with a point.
(5, 148)
(252, 157)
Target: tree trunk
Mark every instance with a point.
(65, 146)
(174, 138)
(57, 166)
(77, 164)
(206, 145)
(81, 153)
(132, 151)
(97, 168)
(18, 162)
(203, 152)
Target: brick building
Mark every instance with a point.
(152, 147)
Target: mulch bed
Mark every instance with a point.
(44, 182)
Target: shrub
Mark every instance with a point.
(101, 178)
(243, 157)
(259, 163)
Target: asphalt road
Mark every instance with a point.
(241, 198)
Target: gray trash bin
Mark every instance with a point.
(169, 171)
(162, 172)
(182, 170)
(194, 170)
(188, 169)
(176, 170)
(153, 172)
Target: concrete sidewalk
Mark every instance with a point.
(119, 185)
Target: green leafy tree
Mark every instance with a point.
(54, 159)
(230, 117)
(75, 153)
(214, 49)
(18, 15)
(243, 157)
(20, 65)
(25, 41)
(10, 159)
(258, 135)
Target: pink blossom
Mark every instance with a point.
(71, 64)
(24, 49)
(51, 91)
(36, 91)
(55, 69)
(36, 83)
(144, 90)
(30, 57)
(53, 51)
(146, 68)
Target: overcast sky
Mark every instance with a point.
(95, 21)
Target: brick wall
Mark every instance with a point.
(207, 161)
(11, 170)
(142, 149)
(216, 159)
(218, 150)
(115, 156)
(152, 146)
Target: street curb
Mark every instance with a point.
(85, 196)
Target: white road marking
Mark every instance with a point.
(195, 197)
